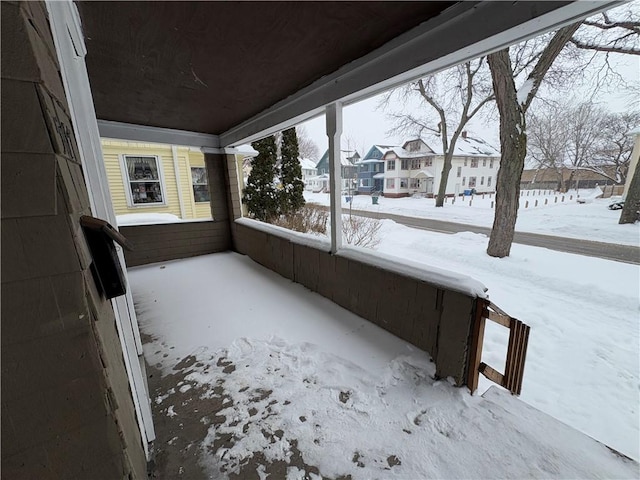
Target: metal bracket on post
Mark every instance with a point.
(334, 132)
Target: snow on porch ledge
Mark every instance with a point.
(438, 277)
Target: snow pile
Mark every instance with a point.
(288, 400)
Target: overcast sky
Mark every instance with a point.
(365, 124)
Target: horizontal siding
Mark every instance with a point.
(113, 150)
(158, 243)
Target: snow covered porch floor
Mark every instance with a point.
(252, 376)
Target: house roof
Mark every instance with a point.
(465, 146)
(380, 148)
(421, 174)
(346, 160)
(406, 154)
(191, 65)
(307, 163)
(550, 175)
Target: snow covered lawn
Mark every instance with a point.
(588, 221)
(583, 358)
(302, 382)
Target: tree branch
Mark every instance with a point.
(550, 53)
(600, 48)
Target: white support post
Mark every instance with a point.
(334, 132)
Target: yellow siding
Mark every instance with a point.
(113, 151)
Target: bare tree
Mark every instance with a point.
(452, 98)
(613, 152)
(547, 138)
(616, 31)
(512, 107)
(306, 146)
(584, 133)
(631, 210)
(581, 137)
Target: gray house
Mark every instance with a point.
(371, 170)
(348, 168)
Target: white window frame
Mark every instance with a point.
(390, 183)
(488, 181)
(416, 164)
(459, 172)
(464, 181)
(127, 181)
(491, 163)
(391, 164)
(474, 163)
(406, 182)
(481, 180)
(365, 182)
(404, 164)
(475, 182)
(191, 167)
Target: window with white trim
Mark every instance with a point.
(416, 164)
(459, 172)
(484, 162)
(488, 181)
(491, 163)
(364, 182)
(474, 163)
(464, 180)
(391, 183)
(414, 183)
(472, 182)
(404, 183)
(143, 175)
(200, 184)
(391, 164)
(404, 165)
(481, 180)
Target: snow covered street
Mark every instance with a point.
(588, 221)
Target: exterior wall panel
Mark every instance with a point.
(431, 318)
(67, 410)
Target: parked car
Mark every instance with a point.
(616, 206)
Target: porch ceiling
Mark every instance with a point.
(208, 66)
(238, 70)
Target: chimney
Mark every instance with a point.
(464, 134)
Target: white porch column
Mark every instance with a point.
(334, 131)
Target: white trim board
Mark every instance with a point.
(167, 136)
(70, 49)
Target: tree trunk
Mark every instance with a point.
(513, 146)
(632, 201)
(446, 168)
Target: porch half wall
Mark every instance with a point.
(172, 241)
(436, 320)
